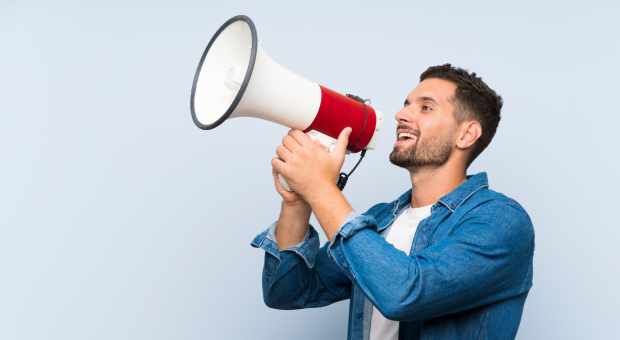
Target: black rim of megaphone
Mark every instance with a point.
(246, 80)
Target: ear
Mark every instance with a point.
(469, 132)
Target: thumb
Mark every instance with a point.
(343, 141)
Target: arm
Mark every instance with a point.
(292, 280)
(483, 260)
(294, 218)
(296, 273)
(331, 207)
(301, 276)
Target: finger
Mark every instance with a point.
(279, 188)
(323, 147)
(278, 165)
(276, 180)
(320, 145)
(283, 152)
(290, 143)
(301, 138)
(342, 142)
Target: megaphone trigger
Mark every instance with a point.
(324, 139)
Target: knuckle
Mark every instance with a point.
(281, 150)
(298, 134)
(285, 172)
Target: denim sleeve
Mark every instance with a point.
(301, 276)
(487, 258)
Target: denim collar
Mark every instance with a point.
(401, 202)
(464, 191)
(452, 200)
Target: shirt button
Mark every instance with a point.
(452, 206)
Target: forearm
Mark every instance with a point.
(330, 208)
(300, 276)
(301, 280)
(292, 224)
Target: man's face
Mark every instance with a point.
(426, 126)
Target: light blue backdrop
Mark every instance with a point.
(120, 219)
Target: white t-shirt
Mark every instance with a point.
(401, 236)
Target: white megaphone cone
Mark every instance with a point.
(236, 78)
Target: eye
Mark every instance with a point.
(424, 108)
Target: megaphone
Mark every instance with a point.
(236, 78)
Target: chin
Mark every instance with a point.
(399, 160)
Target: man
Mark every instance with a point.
(449, 259)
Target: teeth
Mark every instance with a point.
(404, 135)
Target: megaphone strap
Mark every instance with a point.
(359, 99)
(343, 177)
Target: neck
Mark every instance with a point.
(431, 184)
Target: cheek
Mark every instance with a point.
(439, 127)
(437, 132)
(430, 128)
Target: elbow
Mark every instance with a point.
(271, 300)
(394, 314)
(394, 310)
(272, 296)
(276, 300)
(402, 308)
(402, 314)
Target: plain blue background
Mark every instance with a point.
(120, 219)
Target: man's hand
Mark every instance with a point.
(295, 214)
(288, 197)
(305, 165)
(312, 173)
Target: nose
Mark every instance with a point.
(404, 115)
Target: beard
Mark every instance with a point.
(431, 152)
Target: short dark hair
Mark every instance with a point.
(473, 100)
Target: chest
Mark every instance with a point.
(412, 235)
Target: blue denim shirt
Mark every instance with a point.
(467, 277)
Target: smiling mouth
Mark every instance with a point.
(406, 136)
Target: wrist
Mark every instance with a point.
(321, 194)
(292, 224)
(330, 208)
(299, 206)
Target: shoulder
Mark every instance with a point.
(502, 215)
(486, 201)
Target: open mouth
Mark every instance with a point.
(406, 136)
